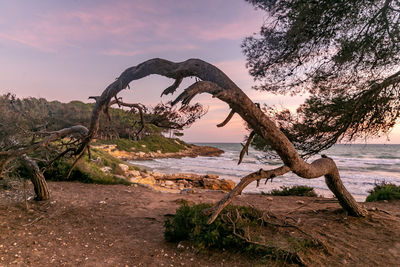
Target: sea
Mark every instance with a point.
(361, 166)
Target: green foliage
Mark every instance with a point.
(297, 190)
(150, 143)
(229, 231)
(190, 223)
(344, 54)
(88, 170)
(384, 191)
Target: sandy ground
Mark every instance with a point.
(103, 225)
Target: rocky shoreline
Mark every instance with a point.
(173, 183)
(190, 151)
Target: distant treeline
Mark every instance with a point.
(29, 115)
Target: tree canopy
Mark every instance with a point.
(344, 54)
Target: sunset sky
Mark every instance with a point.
(69, 50)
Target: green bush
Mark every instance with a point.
(384, 191)
(297, 190)
(83, 172)
(190, 223)
(88, 171)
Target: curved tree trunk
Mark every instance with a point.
(37, 178)
(216, 83)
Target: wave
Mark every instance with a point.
(361, 167)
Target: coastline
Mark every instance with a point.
(190, 151)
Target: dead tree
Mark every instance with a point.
(215, 82)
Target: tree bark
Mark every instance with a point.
(216, 83)
(37, 178)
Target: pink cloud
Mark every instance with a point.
(55, 30)
(126, 27)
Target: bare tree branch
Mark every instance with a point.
(230, 115)
(245, 149)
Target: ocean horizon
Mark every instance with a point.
(361, 166)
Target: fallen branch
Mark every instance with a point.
(245, 181)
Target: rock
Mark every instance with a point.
(97, 160)
(143, 146)
(106, 169)
(269, 198)
(300, 202)
(211, 176)
(159, 151)
(151, 155)
(146, 180)
(169, 183)
(180, 246)
(180, 176)
(184, 182)
(157, 175)
(133, 173)
(141, 154)
(218, 184)
(188, 191)
(124, 167)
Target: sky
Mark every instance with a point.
(69, 50)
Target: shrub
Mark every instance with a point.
(230, 231)
(297, 190)
(190, 223)
(384, 191)
(88, 171)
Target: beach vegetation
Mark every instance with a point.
(89, 170)
(239, 229)
(384, 191)
(296, 190)
(151, 143)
